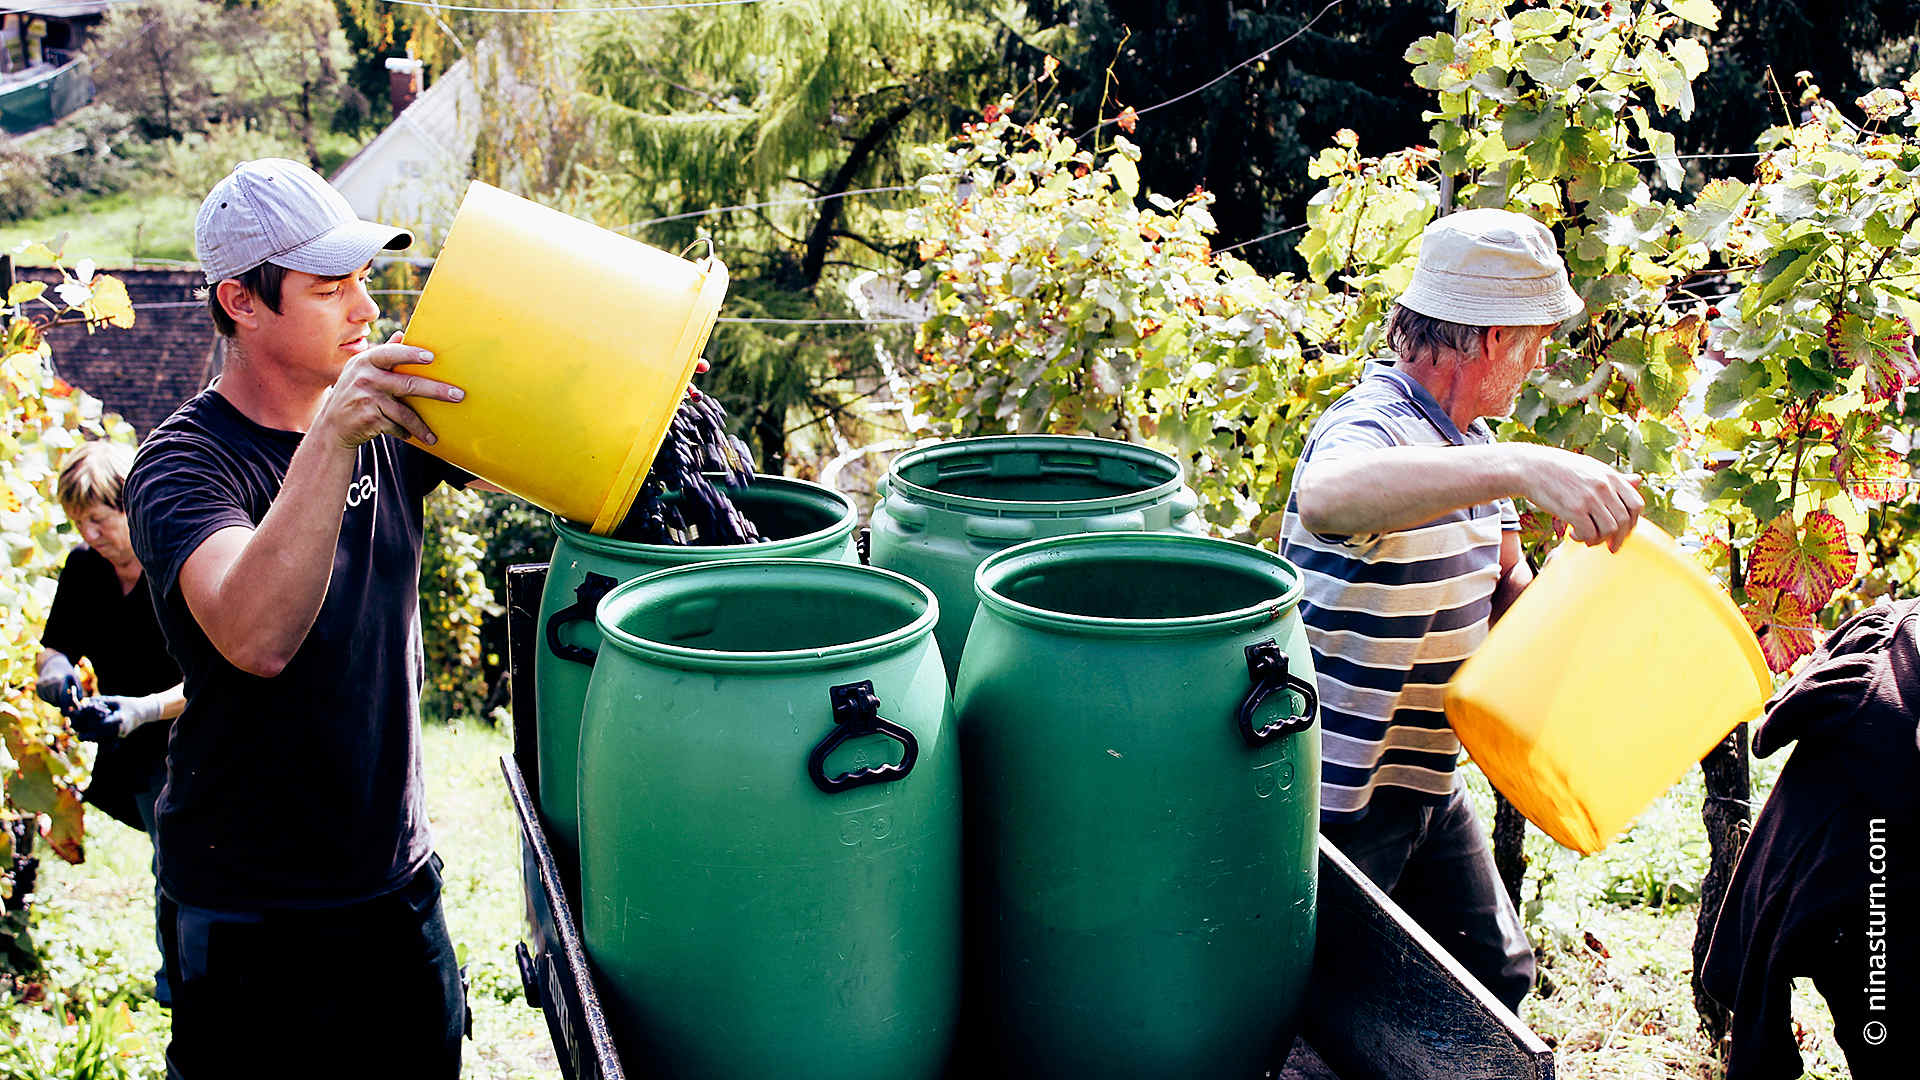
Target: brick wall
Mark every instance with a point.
(146, 372)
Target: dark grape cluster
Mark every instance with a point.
(678, 503)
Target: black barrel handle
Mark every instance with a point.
(586, 597)
(1267, 668)
(856, 711)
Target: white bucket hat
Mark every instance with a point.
(1491, 268)
(279, 211)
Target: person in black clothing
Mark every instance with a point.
(102, 613)
(280, 517)
(1828, 884)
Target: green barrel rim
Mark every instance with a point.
(999, 571)
(780, 488)
(850, 581)
(988, 445)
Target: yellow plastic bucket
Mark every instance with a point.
(574, 345)
(1606, 681)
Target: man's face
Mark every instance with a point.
(322, 323)
(1511, 354)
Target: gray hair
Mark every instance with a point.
(93, 474)
(1415, 337)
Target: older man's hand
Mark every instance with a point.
(1599, 504)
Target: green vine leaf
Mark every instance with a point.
(1698, 12)
(1733, 386)
(1713, 212)
(1126, 176)
(1780, 275)
(1431, 57)
(1671, 90)
(31, 788)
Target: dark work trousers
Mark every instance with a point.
(1869, 1023)
(163, 907)
(370, 989)
(1433, 860)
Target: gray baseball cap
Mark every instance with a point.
(279, 211)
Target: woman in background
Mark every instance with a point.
(102, 613)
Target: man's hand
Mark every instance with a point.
(365, 400)
(1599, 504)
(107, 717)
(58, 684)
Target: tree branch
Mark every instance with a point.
(822, 235)
(1885, 253)
(896, 251)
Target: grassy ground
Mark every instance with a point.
(1614, 936)
(153, 220)
(95, 921)
(114, 230)
(1614, 932)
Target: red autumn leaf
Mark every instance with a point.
(1809, 562)
(66, 826)
(1784, 629)
(1539, 529)
(1867, 465)
(1127, 119)
(1884, 345)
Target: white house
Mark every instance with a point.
(413, 173)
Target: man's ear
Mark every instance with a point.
(239, 303)
(1506, 337)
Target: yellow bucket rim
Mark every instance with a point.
(1717, 599)
(701, 318)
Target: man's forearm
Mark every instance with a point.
(1401, 486)
(270, 591)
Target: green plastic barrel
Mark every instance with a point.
(800, 519)
(770, 823)
(1142, 773)
(944, 508)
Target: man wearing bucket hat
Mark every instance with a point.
(279, 516)
(1402, 521)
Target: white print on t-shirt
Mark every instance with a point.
(360, 491)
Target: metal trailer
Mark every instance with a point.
(1385, 1002)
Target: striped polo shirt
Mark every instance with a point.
(1391, 616)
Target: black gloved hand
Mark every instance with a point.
(107, 717)
(98, 719)
(58, 684)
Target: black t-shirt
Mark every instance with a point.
(302, 790)
(117, 630)
(92, 618)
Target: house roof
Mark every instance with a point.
(64, 9)
(145, 372)
(413, 173)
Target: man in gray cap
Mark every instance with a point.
(1402, 522)
(278, 515)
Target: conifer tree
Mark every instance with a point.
(781, 103)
